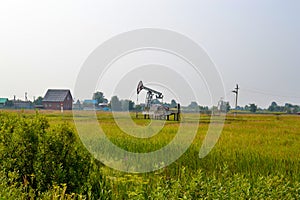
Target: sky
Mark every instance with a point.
(256, 44)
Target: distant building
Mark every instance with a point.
(104, 106)
(77, 105)
(3, 102)
(55, 99)
(19, 104)
(89, 104)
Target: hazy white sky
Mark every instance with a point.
(256, 44)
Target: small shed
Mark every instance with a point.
(55, 99)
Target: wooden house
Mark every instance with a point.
(56, 99)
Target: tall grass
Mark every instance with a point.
(254, 150)
(257, 156)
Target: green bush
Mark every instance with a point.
(44, 158)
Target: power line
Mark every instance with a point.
(269, 93)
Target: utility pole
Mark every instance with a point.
(236, 91)
(14, 101)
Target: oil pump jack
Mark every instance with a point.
(149, 96)
(156, 111)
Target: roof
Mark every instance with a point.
(54, 95)
(3, 100)
(90, 101)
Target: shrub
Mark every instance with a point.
(44, 158)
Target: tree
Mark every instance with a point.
(228, 107)
(38, 101)
(273, 107)
(253, 107)
(99, 96)
(203, 108)
(115, 104)
(247, 108)
(127, 105)
(296, 109)
(173, 103)
(131, 105)
(138, 108)
(193, 105)
(223, 106)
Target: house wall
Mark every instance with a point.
(52, 105)
(67, 104)
(57, 105)
(22, 105)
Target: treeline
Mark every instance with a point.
(273, 108)
(99, 101)
(287, 108)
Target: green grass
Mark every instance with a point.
(254, 146)
(256, 156)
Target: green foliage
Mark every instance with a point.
(44, 158)
(9, 187)
(115, 104)
(99, 96)
(199, 185)
(127, 105)
(173, 104)
(225, 186)
(287, 108)
(193, 105)
(19, 141)
(256, 157)
(38, 101)
(61, 160)
(253, 108)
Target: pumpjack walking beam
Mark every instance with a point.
(150, 93)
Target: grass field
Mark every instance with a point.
(257, 156)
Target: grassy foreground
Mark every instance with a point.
(257, 157)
